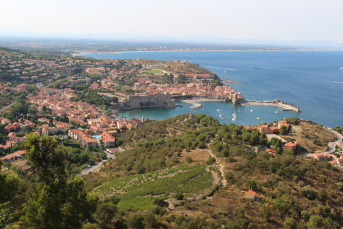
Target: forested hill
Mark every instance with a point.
(184, 172)
(191, 172)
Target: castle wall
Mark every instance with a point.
(147, 101)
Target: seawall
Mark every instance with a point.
(276, 103)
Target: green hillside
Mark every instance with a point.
(296, 192)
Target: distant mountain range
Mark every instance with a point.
(158, 38)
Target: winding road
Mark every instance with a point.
(96, 166)
(331, 145)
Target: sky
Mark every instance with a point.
(285, 20)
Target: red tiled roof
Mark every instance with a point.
(251, 193)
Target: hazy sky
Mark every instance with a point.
(239, 19)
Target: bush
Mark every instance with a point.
(179, 196)
(189, 159)
(211, 160)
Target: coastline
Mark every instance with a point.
(249, 50)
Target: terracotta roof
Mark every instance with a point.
(251, 193)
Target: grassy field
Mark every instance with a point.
(137, 192)
(154, 71)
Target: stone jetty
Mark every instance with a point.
(276, 103)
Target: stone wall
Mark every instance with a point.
(147, 101)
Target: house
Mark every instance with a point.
(85, 139)
(322, 157)
(136, 122)
(5, 121)
(21, 153)
(252, 195)
(13, 127)
(283, 123)
(14, 156)
(90, 142)
(43, 120)
(339, 161)
(271, 151)
(290, 146)
(334, 163)
(108, 139)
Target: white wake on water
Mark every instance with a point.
(278, 69)
(229, 69)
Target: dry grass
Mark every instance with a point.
(305, 132)
(198, 155)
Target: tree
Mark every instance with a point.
(8, 186)
(289, 223)
(290, 152)
(265, 213)
(136, 221)
(105, 214)
(254, 139)
(251, 184)
(283, 130)
(315, 222)
(56, 202)
(211, 160)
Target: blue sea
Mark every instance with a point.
(311, 80)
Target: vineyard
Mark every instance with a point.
(138, 191)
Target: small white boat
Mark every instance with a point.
(276, 112)
(218, 110)
(251, 110)
(258, 118)
(233, 119)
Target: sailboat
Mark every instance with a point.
(220, 114)
(234, 115)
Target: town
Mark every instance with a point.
(53, 87)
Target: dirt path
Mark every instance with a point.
(220, 168)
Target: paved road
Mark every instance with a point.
(331, 145)
(97, 165)
(8, 106)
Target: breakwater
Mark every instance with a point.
(276, 103)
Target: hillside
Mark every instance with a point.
(311, 136)
(175, 67)
(11, 52)
(191, 172)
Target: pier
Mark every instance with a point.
(276, 103)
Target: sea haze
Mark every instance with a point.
(312, 81)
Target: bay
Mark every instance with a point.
(311, 80)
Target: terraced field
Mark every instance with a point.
(138, 191)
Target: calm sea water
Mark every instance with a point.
(312, 81)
